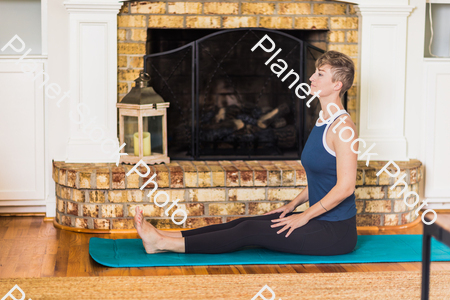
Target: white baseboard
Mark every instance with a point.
(23, 209)
(22, 203)
(437, 203)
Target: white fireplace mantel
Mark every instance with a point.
(93, 79)
(382, 48)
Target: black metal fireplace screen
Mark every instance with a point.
(226, 103)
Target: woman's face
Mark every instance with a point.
(321, 81)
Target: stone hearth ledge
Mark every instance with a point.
(99, 197)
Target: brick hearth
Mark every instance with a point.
(101, 196)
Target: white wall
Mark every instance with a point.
(58, 64)
(54, 59)
(57, 124)
(427, 100)
(414, 120)
(57, 117)
(22, 124)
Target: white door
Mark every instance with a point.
(21, 135)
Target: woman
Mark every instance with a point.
(328, 226)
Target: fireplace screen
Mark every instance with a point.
(226, 103)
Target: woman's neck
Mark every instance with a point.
(330, 108)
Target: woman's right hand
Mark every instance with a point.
(285, 209)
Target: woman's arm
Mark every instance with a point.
(301, 198)
(346, 167)
(287, 208)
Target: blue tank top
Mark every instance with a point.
(319, 162)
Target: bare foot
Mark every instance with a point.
(150, 237)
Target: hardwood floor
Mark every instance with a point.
(30, 247)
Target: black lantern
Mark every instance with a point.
(143, 124)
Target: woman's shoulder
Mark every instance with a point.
(341, 133)
(341, 122)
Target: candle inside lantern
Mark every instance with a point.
(146, 143)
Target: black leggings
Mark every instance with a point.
(317, 237)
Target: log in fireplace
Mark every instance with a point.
(225, 102)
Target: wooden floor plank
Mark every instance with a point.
(7, 266)
(35, 266)
(48, 265)
(62, 256)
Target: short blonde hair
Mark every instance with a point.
(342, 68)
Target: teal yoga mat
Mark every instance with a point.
(369, 249)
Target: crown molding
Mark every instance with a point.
(385, 9)
(99, 6)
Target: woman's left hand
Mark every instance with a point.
(293, 221)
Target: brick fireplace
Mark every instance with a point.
(335, 25)
(99, 197)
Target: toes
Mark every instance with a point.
(137, 217)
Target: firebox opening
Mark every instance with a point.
(225, 102)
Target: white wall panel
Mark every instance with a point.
(437, 133)
(380, 94)
(94, 64)
(21, 133)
